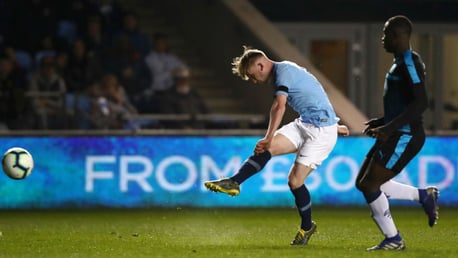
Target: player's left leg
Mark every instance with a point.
(318, 143)
(398, 191)
(296, 178)
(427, 197)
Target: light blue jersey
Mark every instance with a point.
(305, 94)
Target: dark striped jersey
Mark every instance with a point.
(405, 97)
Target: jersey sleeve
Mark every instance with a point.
(283, 80)
(281, 90)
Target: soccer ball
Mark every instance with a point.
(17, 163)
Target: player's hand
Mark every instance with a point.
(373, 123)
(343, 130)
(377, 133)
(262, 145)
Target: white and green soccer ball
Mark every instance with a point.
(17, 163)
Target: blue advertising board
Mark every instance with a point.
(169, 171)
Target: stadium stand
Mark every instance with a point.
(106, 33)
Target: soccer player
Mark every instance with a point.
(312, 136)
(400, 135)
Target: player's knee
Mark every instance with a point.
(294, 182)
(362, 186)
(359, 186)
(367, 186)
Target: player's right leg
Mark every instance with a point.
(224, 185)
(231, 186)
(394, 243)
(368, 182)
(255, 163)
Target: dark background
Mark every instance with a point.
(442, 11)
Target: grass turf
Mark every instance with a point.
(188, 232)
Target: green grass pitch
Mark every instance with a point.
(217, 232)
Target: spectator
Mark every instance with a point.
(61, 62)
(13, 103)
(88, 109)
(118, 57)
(48, 88)
(21, 60)
(183, 99)
(94, 36)
(46, 48)
(73, 15)
(132, 72)
(82, 68)
(137, 39)
(112, 109)
(111, 13)
(136, 78)
(161, 63)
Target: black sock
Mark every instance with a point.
(304, 206)
(251, 166)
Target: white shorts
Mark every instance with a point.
(313, 144)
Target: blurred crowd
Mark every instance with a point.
(87, 64)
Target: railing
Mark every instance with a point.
(220, 124)
(242, 121)
(74, 105)
(44, 94)
(141, 132)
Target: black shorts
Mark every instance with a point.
(397, 151)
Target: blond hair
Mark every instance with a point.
(241, 63)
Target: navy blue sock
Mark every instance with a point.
(304, 206)
(251, 166)
(395, 238)
(370, 197)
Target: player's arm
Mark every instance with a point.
(276, 115)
